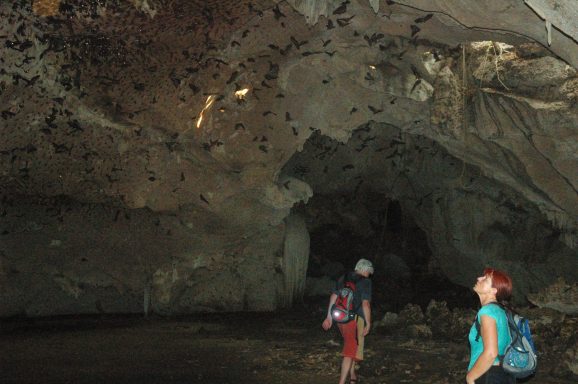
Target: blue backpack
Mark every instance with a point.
(519, 358)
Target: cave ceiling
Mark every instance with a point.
(193, 108)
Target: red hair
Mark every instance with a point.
(502, 282)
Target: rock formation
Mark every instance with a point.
(152, 152)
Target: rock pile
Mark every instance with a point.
(554, 333)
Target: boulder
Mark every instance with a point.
(560, 296)
(419, 331)
(390, 320)
(411, 314)
(571, 358)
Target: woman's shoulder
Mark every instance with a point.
(492, 309)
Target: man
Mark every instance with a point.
(354, 331)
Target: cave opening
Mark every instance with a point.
(406, 271)
(374, 197)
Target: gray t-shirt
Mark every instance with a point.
(362, 290)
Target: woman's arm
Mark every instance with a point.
(489, 332)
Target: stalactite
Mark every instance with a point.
(375, 5)
(146, 298)
(559, 13)
(566, 224)
(295, 260)
(313, 9)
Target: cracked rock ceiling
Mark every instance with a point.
(185, 113)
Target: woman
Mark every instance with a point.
(492, 338)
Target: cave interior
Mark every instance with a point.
(183, 158)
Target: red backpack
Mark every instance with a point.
(343, 311)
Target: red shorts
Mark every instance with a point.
(353, 339)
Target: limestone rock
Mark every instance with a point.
(46, 7)
(313, 9)
(439, 318)
(517, 16)
(568, 329)
(164, 185)
(419, 331)
(146, 6)
(558, 12)
(571, 358)
(295, 259)
(531, 50)
(448, 324)
(540, 72)
(411, 315)
(389, 321)
(375, 5)
(545, 325)
(446, 111)
(560, 296)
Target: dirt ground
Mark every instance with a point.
(279, 348)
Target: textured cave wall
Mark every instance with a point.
(62, 257)
(471, 221)
(123, 139)
(137, 209)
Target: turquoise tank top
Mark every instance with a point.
(477, 347)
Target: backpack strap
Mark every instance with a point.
(355, 279)
(479, 326)
(513, 330)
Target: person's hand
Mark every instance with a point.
(366, 329)
(469, 380)
(327, 323)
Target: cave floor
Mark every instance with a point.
(224, 348)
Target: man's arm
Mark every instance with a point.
(366, 307)
(329, 320)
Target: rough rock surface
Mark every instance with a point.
(554, 333)
(561, 296)
(448, 324)
(571, 358)
(148, 153)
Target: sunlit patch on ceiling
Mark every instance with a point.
(240, 94)
(495, 54)
(208, 104)
(503, 47)
(46, 7)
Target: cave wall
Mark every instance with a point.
(111, 111)
(470, 220)
(61, 257)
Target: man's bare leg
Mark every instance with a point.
(352, 374)
(345, 369)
